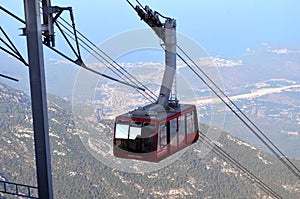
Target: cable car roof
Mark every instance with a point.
(157, 112)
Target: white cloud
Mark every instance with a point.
(284, 51)
(58, 61)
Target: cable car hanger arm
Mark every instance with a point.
(167, 33)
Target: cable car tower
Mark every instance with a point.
(155, 131)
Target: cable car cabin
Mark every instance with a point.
(148, 135)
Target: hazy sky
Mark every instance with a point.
(223, 28)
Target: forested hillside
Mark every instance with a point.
(78, 174)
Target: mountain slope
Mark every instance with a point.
(78, 174)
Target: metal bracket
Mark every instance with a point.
(49, 20)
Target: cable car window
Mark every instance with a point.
(190, 122)
(181, 129)
(135, 130)
(141, 137)
(173, 132)
(162, 136)
(148, 133)
(122, 130)
(148, 130)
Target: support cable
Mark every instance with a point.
(13, 51)
(68, 58)
(74, 30)
(109, 58)
(235, 112)
(77, 53)
(77, 50)
(97, 53)
(243, 114)
(134, 85)
(130, 4)
(8, 77)
(225, 156)
(94, 71)
(144, 8)
(11, 14)
(68, 41)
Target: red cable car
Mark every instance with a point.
(155, 135)
(156, 131)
